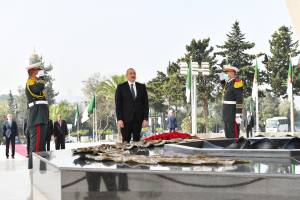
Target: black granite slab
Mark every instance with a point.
(217, 147)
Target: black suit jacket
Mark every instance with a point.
(129, 108)
(60, 131)
(13, 128)
(50, 129)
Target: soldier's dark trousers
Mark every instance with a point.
(232, 129)
(28, 143)
(48, 140)
(38, 135)
(11, 140)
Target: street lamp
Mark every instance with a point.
(196, 69)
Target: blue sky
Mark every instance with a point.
(80, 37)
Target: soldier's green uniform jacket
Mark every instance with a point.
(232, 99)
(38, 113)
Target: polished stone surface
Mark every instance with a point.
(60, 175)
(219, 147)
(64, 160)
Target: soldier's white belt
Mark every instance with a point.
(37, 102)
(229, 102)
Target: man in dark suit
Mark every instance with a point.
(132, 107)
(10, 132)
(249, 124)
(49, 134)
(60, 131)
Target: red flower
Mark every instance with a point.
(169, 136)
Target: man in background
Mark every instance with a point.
(132, 107)
(10, 132)
(249, 124)
(172, 123)
(60, 131)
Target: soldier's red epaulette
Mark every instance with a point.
(238, 83)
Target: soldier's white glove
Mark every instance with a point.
(40, 74)
(238, 118)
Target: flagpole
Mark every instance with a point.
(256, 102)
(96, 122)
(290, 94)
(292, 115)
(257, 114)
(93, 121)
(78, 137)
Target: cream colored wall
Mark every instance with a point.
(294, 11)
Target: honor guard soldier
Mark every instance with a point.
(38, 111)
(232, 102)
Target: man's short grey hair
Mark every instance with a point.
(129, 70)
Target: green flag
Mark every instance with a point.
(188, 83)
(89, 110)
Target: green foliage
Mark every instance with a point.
(106, 132)
(82, 132)
(166, 90)
(3, 113)
(156, 92)
(12, 107)
(50, 92)
(186, 125)
(207, 88)
(108, 87)
(282, 47)
(234, 53)
(268, 107)
(284, 108)
(104, 89)
(65, 109)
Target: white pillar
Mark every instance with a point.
(257, 115)
(194, 105)
(292, 116)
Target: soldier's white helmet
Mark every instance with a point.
(230, 68)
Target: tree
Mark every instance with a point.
(11, 104)
(268, 108)
(50, 93)
(175, 86)
(21, 102)
(104, 89)
(108, 87)
(3, 113)
(234, 53)
(106, 92)
(156, 92)
(207, 89)
(49, 90)
(166, 91)
(65, 109)
(282, 47)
